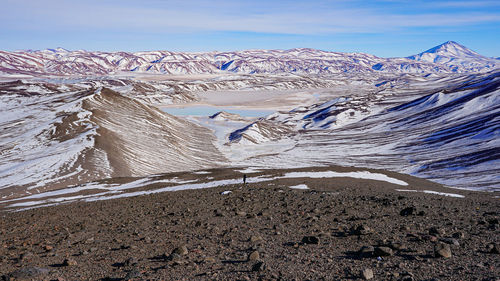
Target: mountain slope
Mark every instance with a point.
(448, 57)
(53, 138)
(456, 57)
(447, 131)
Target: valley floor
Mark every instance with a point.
(270, 230)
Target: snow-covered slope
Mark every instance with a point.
(456, 57)
(53, 137)
(447, 130)
(449, 57)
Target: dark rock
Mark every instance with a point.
(259, 266)
(367, 274)
(174, 257)
(131, 261)
(27, 273)
(436, 231)
(361, 230)
(310, 240)
(181, 250)
(493, 248)
(408, 211)
(366, 251)
(442, 250)
(458, 235)
(383, 252)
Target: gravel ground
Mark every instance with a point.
(338, 229)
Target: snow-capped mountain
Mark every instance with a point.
(456, 57)
(448, 57)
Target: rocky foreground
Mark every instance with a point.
(338, 229)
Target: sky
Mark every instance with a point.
(386, 28)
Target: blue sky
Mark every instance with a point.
(385, 28)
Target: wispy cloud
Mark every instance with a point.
(285, 17)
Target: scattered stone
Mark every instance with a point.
(174, 257)
(310, 240)
(256, 239)
(367, 274)
(397, 246)
(69, 262)
(383, 252)
(458, 235)
(442, 250)
(408, 211)
(27, 273)
(48, 248)
(366, 251)
(254, 256)
(181, 251)
(241, 213)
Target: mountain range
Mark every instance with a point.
(449, 57)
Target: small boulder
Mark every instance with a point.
(254, 256)
(69, 262)
(367, 274)
(256, 239)
(310, 240)
(181, 250)
(442, 250)
(383, 252)
(366, 251)
(408, 211)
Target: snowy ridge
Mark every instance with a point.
(447, 130)
(456, 57)
(54, 138)
(449, 57)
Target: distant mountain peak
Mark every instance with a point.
(454, 55)
(452, 48)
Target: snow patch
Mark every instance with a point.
(299, 186)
